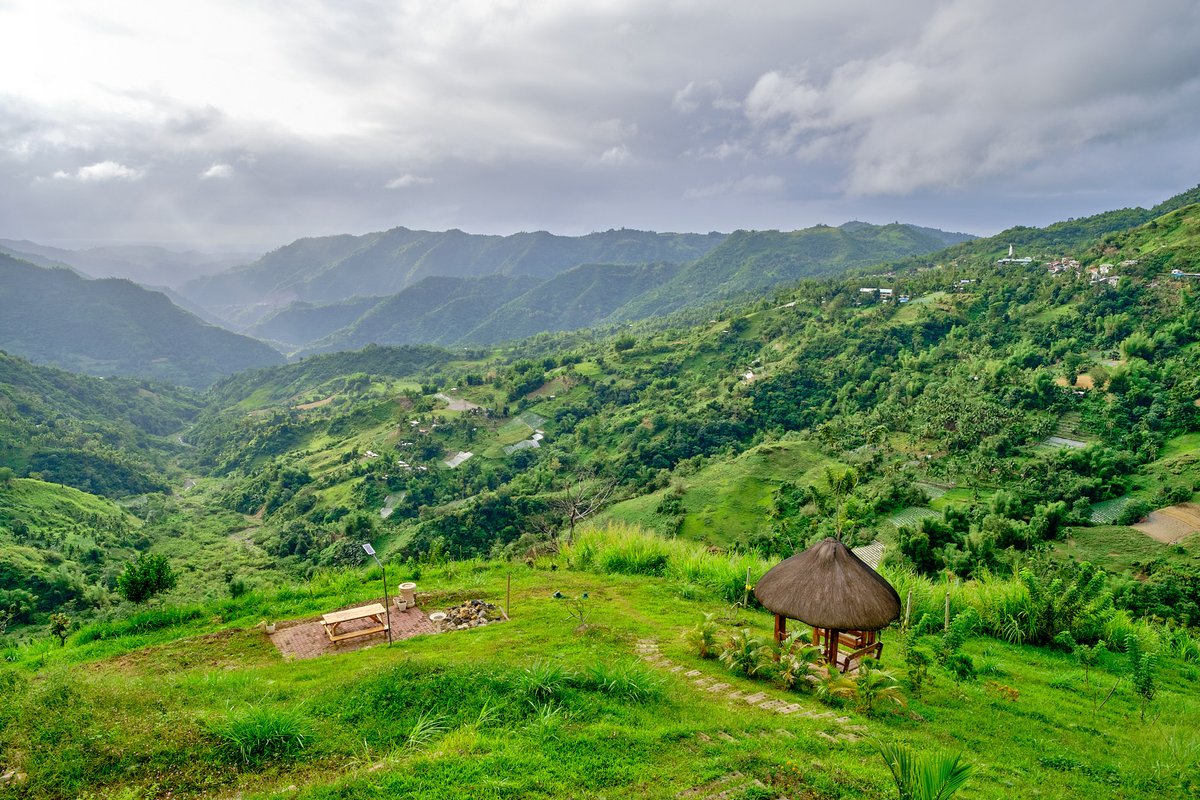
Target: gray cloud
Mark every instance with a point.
(264, 122)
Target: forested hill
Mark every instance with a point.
(110, 437)
(114, 327)
(1066, 237)
(334, 268)
(503, 307)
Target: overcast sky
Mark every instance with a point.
(242, 124)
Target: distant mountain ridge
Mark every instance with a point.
(114, 327)
(335, 268)
(145, 264)
(487, 310)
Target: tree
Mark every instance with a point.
(60, 625)
(149, 575)
(6, 476)
(585, 495)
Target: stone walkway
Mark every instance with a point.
(306, 638)
(649, 652)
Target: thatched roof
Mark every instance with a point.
(827, 586)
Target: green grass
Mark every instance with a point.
(1124, 550)
(537, 708)
(728, 500)
(1185, 444)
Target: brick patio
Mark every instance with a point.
(306, 638)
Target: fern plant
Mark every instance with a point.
(875, 687)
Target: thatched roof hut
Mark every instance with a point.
(827, 586)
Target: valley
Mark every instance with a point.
(1020, 442)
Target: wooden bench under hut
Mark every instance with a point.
(838, 594)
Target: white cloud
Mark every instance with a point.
(615, 156)
(407, 180)
(982, 91)
(101, 171)
(217, 171)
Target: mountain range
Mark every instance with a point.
(112, 326)
(519, 299)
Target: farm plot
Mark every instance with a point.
(1171, 524)
(1109, 511)
(911, 517)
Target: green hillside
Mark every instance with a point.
(300, 323)
(759, 261)
(114, 327)
(330, 269)
(1024, 441)
(498, 308)
(111, 437)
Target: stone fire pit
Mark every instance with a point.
(471, 614)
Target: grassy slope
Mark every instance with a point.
(102, 719)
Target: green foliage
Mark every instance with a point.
(543, 681)
(1069, 598)
(746, 653)
(625, 679)
(1143, 673)
(145, 577)
(256, 735)
(60, 626)
(875, 687)
(703, 637)
(924, 776)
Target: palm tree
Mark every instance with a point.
(927, 776)
(876, 686)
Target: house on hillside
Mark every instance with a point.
(1012, 258)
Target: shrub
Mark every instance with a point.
(149, 575)
(703, 637)
(255, 735)
(746, 653)
(960, 666)
(874, 686)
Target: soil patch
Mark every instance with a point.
(1171, 524)
(315, 404)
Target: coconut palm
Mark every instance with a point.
(924, 776)
(876, 687)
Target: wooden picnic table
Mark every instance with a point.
(374, 612)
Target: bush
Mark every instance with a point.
(146, 577)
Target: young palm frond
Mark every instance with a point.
(746, 653)
(925, 776)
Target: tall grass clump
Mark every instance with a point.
(632, 550)
(625, 679)
(256, 734)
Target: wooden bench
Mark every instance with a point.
(374, 612)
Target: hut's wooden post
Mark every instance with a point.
(780, 628)
(832, 653)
